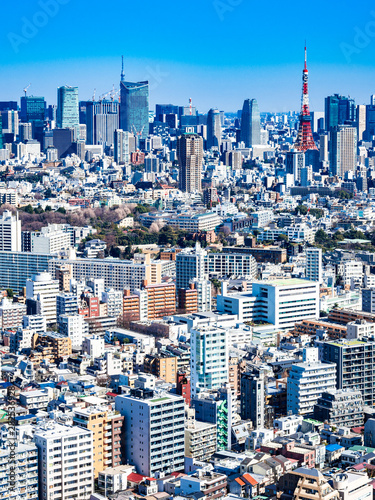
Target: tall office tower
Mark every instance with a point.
(253, 396)
(339, 110)
(307, 381)
(250, 123)
(294, 162)
(66, 467)
(361, 122)
(190, 264)
(368, 300)
(122, 146)
(354, 363)
(190, 159)
(102, 119)
(42, 290)
(10, 232)
(316, 118)
(24, 461)
(33, 109)
(343, 150)
(324, 147)
(67, 107)
(25, 132)
(134, 108)
(314, 264)
(208, 359)
(370, 120)
(8, 105)
(106, 427)
(305, 139)
(10, 122)
(154, 427)
(213, 129)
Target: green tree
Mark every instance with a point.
(10, 292)
(61, 210)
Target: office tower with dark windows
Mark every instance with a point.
(190, 158)
(33, 109)
(102, 119)
(134, 108)
(339, 110)
(343, 149)
(67, 107)
(250, 123)
(253, 396)
(8, 106)
(213, 129)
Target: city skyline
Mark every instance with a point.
(242, 65)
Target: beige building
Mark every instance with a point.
(200, 440)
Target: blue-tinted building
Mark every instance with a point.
(17, 267)
(67, 107)
(339, 110)
(134, 109)
(250, 123)
(33, 109)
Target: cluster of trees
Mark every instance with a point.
(329, 242)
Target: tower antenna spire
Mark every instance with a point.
(122, 69)
(305, 138)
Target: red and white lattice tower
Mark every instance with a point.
(305, 139)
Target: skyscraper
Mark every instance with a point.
(102, 119)
(122, 146)
(32, 109)
(213, 129)
(343, 149)
(190, 158)
(10, 232)
(250, 123)
(361, 121)
(339, 110)
(67, 107)
(134, 108)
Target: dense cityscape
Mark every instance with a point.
(187, 299)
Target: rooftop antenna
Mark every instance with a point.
(122, 70)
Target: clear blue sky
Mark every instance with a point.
(218, 52)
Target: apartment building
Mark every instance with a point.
(11, 313)
(200, 440)
(162, 366)
(66, 467)
(17, 267)
(105, 426)
(50, 347)
(25, 473)
(50, 239)
(42, 290)
(155, 426)
(340, 408)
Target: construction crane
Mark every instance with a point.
(93, 96)
(25, 89)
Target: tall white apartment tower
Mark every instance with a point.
(66, 466)
(10, 232)
(155, 428)
(43, 289)
(314, 264)
(190, 264)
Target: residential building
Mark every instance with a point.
(25, 472)
(155, 425)
(368, 300)
(232, 265)
(66, 467)
(50, 240)
(305, 481)
(314, 268)
(209, 358)
(11, 314)
(10, 232)
(200, 440)
(253, 396)
(207, 484)
(353, 485)
(190, 264)
(340, 408)
(307, 381)
(42, 290)
(114, 479)
(50, 347)
(74, 327)
(114, 301)
(190, 158)
(122, 146)
(105, 426)
(343, 150)
(66, 303)
(162, 366)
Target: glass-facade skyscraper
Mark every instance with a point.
(67, 107)
(339, 110)
(33, 109)
(134, 108)
(213, 129)
(250, 123)
(102, 119)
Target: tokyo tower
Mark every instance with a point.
(305, 139)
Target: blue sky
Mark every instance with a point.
(218, 52)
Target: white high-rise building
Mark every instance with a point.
(75, 327)
(43, 289)
(155, 426)
(307, 381)
(314, 264)
(122, 146)
(190, 264)
(66, 466)
(25, 475)
(10, 232)
(208, 358)
(114, 301)
(50, 240)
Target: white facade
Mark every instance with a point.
(314, 264)
(114, 301)
(359, 329)
(190, 264)
(50, 240)
(44, 289)
(93, 346)
(156, 430)
(10, 232)
(25, 463)
(75, 327)
(208, 358)
(66, 461)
